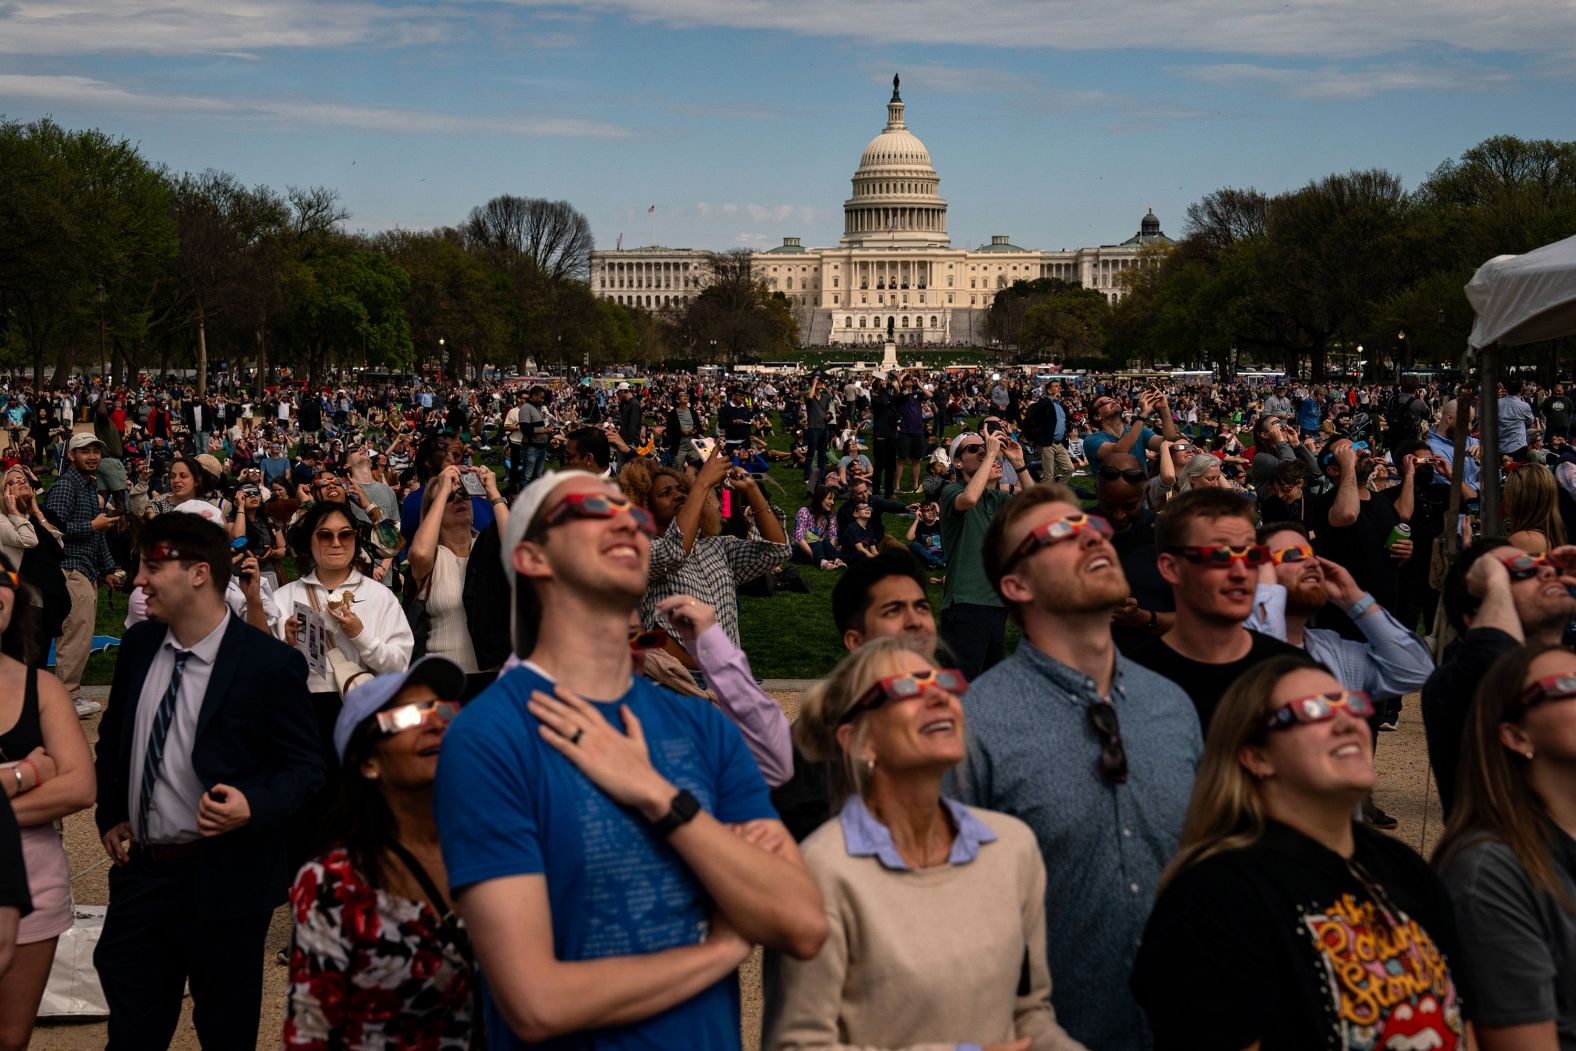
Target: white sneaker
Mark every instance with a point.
(86, 708)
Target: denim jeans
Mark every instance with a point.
(815, 442)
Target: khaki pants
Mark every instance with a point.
(1061, 465)
(76, 636)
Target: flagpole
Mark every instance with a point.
(653, 226)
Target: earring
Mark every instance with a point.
(373, 776)
(870, 765)
(1527, 753)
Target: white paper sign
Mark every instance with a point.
(312, 639)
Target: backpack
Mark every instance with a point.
(1399, 420)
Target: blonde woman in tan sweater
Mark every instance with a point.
(935, 910)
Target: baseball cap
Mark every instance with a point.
(960, 441)
(368, 695)
(211, 464)
(525, 507)
(623, 386)
(82, 440)
(940, 457)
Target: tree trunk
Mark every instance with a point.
(202, 354)
(261, 379)
(1316, 356)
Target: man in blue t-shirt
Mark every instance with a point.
(1112, 434)
(610, 844)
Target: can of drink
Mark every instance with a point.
(1402, 531)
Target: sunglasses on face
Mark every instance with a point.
(1129, 474)
(1183, 447)
(1057, 530)
(1219, 556)
(335, 537)
(1549, 688)
(901, 687)
(596, 505)
(1525, 567)
(409, 716)
(647, 640)
(1320, 708)
(1113, 754)
(971, 450)
(9, 579)
(1296, 553)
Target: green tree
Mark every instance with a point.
(346, 306)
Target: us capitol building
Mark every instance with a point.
(893, 275)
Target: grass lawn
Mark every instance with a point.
(788, 636)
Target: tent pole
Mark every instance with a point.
(1488, 473)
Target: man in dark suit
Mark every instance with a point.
(207, 749)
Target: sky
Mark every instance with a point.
(1058, 123)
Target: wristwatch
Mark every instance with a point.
(682, 810)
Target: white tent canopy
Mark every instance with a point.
(1525, 298)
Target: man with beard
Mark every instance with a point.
(1095, 753)
(1112, 435)
(1211, 558)
(1119, 495)
(1496, 597)
(1392, 661)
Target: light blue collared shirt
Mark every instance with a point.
(864, 836)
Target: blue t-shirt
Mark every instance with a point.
(1308, 413)
(508, 804)
(1092, 443)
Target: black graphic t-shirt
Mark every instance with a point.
(1287, 943)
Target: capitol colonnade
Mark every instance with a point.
(893, 271)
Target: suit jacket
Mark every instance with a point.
(255, 731)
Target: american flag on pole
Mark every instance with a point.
(650, 210)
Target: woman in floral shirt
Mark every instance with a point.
(380, 960)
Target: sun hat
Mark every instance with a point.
(369, 695)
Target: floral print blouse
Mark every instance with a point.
(372, 970)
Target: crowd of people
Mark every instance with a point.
(461, 674)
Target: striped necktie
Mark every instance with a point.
(153, 757)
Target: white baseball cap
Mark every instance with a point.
(525, 507)
(82, 440)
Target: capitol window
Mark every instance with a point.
(848, 322)
(905, 322)
(932, 321)
(861, 322)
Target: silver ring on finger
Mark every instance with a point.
(575, 738)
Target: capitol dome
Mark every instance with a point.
(896, 199)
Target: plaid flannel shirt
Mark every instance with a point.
(74, 502)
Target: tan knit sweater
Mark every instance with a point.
(921, 960)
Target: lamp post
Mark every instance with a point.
(1402, 360)
(442, 358)
(99, 297)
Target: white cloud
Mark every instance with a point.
(1335, 83)
(1269, 27)
(74, 27)
(1328, 28)
(85, 91)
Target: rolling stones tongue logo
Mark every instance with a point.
(1389, 987)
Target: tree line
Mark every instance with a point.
(111, 261)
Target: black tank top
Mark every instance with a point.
(25, 734)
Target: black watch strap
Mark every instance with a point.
(680, 813)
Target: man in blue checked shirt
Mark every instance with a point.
(73, 503)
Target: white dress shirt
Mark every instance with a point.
(172, 818)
